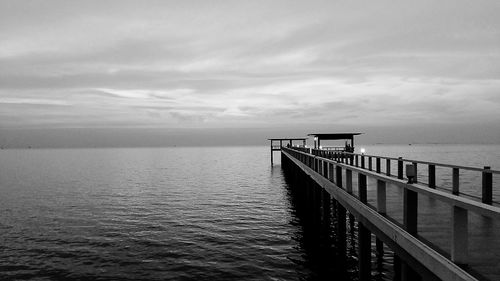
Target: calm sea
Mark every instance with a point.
(219, 213)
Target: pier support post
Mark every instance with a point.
(487, 196)
(397, 268)
(272, 152)
(342, 239)
(459, 235)
(379, 245)
(364, 255)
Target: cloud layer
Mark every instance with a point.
(248, 63)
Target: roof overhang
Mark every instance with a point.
(335, 136)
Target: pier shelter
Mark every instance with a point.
(335, 136)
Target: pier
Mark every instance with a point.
(435, 232)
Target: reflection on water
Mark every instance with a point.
(329, 236)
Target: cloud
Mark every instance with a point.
(28, 101)
(247, 63)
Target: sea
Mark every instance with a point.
(174, 213)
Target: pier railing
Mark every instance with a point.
(395, 167)
(335, 166)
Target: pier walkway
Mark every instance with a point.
(437, 233)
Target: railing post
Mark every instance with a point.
(416, 172)
(357, 161)
(456, 181)
(388, 167)
(377, 165)
(370, 163)
(330, 171)
(432, 176)
(362, 188)
(487, 194)
(362, 161)
(459, 236)
(381, 197)
(400, 168)
(348, 180)
(338, 175)
(410, 211)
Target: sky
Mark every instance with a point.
(290, 65)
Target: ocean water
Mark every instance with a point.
(180, 213)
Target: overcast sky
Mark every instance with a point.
(177, 64)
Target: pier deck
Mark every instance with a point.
(435, 232)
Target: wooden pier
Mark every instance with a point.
(392, 204)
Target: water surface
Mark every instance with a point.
(167, 213)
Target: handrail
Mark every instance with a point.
(454, 200)
(486, 194)
(330, 170)
(405, 237)
(428, 163)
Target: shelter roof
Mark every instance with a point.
(287, 139)
(335, 136)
